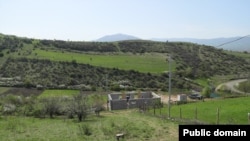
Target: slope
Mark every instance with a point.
(134, 64)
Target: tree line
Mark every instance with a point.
(51, 74)
(78, 106)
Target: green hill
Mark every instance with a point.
(132, 64)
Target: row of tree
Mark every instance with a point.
(78, 106)
(50, 74)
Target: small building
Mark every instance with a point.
(182, 97)
(127, 100)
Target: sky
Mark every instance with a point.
(87, 20)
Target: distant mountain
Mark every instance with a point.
(232, 43)
(117, 37)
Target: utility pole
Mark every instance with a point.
(106, 82)
(169, 84)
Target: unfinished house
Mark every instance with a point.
(128, 100)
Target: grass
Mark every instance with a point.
(135, 126)
(58, 93)
(231, 111)
(143, 63)
(96, 97)
(147, 62)
(202, 81)
(28, 129)
(92, 96)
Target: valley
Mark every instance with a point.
(65, 84)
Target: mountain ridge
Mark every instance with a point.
(237, 43)
(117, 37)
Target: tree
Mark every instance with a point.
(79, 107)
(98, 109)
(98, 104)
(27, 83)
(74, 62)
(157, 104)
(206, 91)
(51, 106)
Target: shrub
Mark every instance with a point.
(9, 108)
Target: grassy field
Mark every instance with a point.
(231, 110)
(222, 111)
(92, 96)
(154, 63)
(136, 127)
(58, 93)
(147, 62)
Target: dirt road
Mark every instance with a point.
(232, 85)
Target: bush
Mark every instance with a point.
(38, 111)
(9, 108)
(1, 54)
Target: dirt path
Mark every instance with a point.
(231, 85)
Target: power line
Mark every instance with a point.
(232, 41)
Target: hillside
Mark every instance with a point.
(131, 64)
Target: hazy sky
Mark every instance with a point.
(86, 20)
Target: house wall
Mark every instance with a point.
(114, 96)
(118, 104)
(146, 95)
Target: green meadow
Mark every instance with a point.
(211, 111)
(147, 62)
(58, 93)
(95, 96)
(103, 128)
(135, 125)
